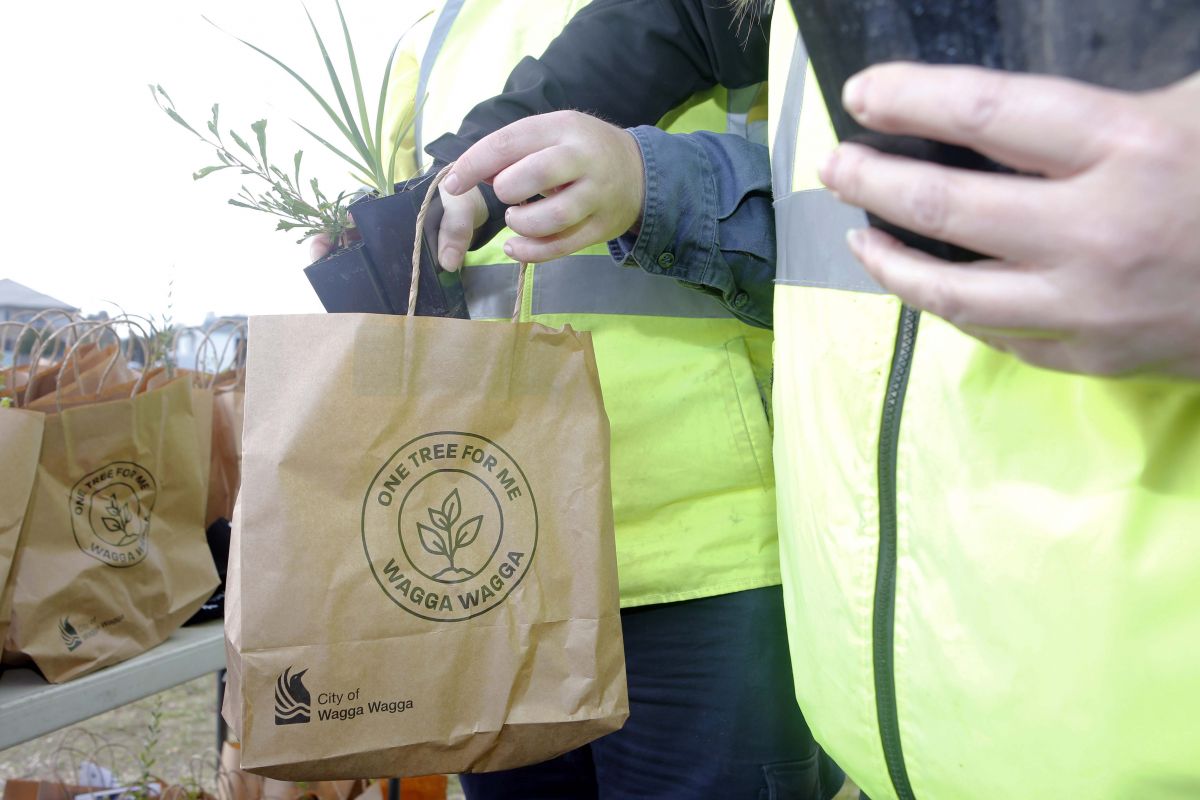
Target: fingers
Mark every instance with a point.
(319, 247)
(500, 150)
(538, 173)
(539, 251)
(984, 294)
(1033, 123)
(461, 216)
(1001, 215)
(550, 216)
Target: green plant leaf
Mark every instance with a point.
(203, 171)
(358, 90)
(335, 150)
(353, 134)
(212, 123)
(389, 168)
(389, 175)
(307, 86)
(299, 155)
(175, 116)
(240, 142)
(431, 540)
(260, 131)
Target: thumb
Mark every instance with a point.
(461, 216)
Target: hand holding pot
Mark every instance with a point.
(320, 245)
(589, 172)
(1095, 250)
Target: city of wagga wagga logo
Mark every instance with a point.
(449, 525)
(110, 513)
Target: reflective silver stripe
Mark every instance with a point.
(441, 30)
(597, 285)
(737, 114)
(810, 229)
(585, 284)
(491, 290)
(783, 155)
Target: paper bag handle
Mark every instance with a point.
(149, 348)
(77, 339)
(417, 241)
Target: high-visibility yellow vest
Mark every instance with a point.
(684, 382)
(991, 571)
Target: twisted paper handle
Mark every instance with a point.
(416, 259)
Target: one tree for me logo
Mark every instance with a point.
(69, 635)
(110, 513)
(447, 537)
(449, 526)
(293, 704)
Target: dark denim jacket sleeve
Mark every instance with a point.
(707, 218)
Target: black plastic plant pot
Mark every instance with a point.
(346, 282)
(1123, 44)
(374, 275)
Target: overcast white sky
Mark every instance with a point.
(97, 196)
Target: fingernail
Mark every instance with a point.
(854, 97)
(450, 259)
(452, 183)
(508, 249)
(857, 240)
(827, 170)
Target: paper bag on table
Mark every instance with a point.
(20, 449)
(113, 556)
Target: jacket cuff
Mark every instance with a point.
(678, 233)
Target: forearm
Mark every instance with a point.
(626, 61)
(707, 218)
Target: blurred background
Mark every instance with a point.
(97, 181)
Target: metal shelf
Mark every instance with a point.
(31, 707)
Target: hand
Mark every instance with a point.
(1096, 265)
(321, 245)
(463, 214)
(589, 172)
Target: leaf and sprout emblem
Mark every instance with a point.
(68, 633)
(120, 520)
(447, 537)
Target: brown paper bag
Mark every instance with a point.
(234, 783)
(44, 790)
(80, 383)
(225, 471)
(113, 556)
(424, 579)
(20, 448)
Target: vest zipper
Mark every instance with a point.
(883, 623)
